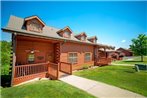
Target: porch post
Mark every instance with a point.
(95, 55)
(13, 57)
(58, 70)
(105, 52)
(71, 68)
(60, 51)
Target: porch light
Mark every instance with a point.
(32, 51)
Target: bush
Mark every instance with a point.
(85, 66)
(5, 57)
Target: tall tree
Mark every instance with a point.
(5, 57)
(139, 46)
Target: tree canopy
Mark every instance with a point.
(139, 45)
(5, 57)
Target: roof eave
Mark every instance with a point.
(23, 33)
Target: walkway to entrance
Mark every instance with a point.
(99, 89)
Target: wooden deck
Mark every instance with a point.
(50, 70)
(104, 61)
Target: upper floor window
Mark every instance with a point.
(72, 57)
(66, 34)
(82, 38)
(34, 24)
(87, 57)
(94, 40)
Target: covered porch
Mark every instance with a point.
(102, 56)
(35, 57)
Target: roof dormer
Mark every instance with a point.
(65, 32)
(34, 23)
(92, 39)
(82, 36)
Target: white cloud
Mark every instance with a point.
(123, 41)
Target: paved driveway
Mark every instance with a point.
(99, 89)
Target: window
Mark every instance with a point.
(94, 40)
(31, 58)
(66, 34)
(87, 57)
(82, 38)
(72, 57)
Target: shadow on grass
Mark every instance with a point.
(132, 61)
(5, 80)
(130, 71)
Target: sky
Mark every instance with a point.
(114, 23)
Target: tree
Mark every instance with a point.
(139, 46)
(5, 57)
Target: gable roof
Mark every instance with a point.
(16, 24)
(81, 34)
(65, 28)
(92, 37)
(33, 17)
(129, 50)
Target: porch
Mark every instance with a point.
(103, 58)
(35, 57)
(49, 70)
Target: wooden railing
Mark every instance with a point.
(24, 70)
(104, 61)
(24, 73)
(53, 70)
(65, 67)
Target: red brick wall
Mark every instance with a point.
(81, 49)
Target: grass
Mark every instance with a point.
(135, 60)
(44, 89)
(120, 76)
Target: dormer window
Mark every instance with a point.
(34, 24)
(93, 39)
(82, 38)
(66, 34)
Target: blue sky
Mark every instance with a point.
(114, 23)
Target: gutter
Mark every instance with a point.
(48, 37)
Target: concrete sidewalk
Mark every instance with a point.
(99, 89)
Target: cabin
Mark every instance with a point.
(125, 52)
(114, 55)
(119, 53)
(41, 51)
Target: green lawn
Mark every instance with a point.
(120, 76)
(132, 61)
(44, 89)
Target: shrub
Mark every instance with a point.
(85, 66)
(5, 57)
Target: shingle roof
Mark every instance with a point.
(83, 33)
(92, 37)
(16, 24)
(35, 16)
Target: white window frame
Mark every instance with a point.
(82, 38)
(87, 58)
(74, 58)
(66, 34)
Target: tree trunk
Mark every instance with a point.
(141, 58)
